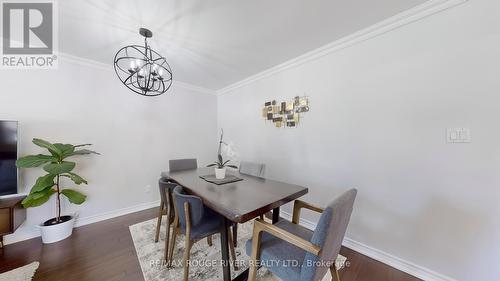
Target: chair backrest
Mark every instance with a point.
(328, 235)
(196, 207)
(182, 164)
(165, 185)
(252, 169)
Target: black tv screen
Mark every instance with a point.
(8, 156)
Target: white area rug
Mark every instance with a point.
(205, 260)
(24, 273)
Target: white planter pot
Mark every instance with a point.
(57, 232)
(220, 173)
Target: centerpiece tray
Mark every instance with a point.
(227, 179)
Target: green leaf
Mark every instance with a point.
(66, 149)
(211, 165)
(34, 160)
(232, 166)
(75, 178)
(59, 168)
(220, 158)
(83, 152)
(43, 183)
(38, 198)
(85, 144)
(45, 144)
(74, 196)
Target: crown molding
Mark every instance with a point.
(109, 67)
(409, 16)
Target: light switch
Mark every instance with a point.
(458, 135)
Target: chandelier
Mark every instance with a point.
(142, 69)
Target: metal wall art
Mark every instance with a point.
(286, 113)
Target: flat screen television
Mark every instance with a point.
(8, 156)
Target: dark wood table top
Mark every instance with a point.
(239, 201)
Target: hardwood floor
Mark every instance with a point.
(105, 251)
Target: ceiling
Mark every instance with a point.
(215, 43)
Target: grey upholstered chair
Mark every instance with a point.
(182, 164)
(197, 222)
(314, 252)
(253, 169)
(166, 187)
(166, 207)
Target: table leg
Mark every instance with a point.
(235, 235)
(276, 215)
(244, 275)
(226, 269)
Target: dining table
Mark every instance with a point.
(237, 202)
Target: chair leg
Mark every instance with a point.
(175, 230)
(158, 223)
(167, 236)
(255, 255)
(231, 249)
(185, 263)
(187, 249)
(209, 241)
(334, 272)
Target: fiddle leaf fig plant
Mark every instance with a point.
(57, 166)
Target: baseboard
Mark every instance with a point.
(25, 234)
(116, 213)
(381, 256)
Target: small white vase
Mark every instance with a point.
(220, 173)
(57, 232)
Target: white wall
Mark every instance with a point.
(136, 135)
(379, 111)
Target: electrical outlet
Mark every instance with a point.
(147, 189)
(458, 135)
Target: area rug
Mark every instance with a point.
(24, 273)
(205, 260)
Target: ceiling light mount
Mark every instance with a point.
(145, 32)
(143, 70)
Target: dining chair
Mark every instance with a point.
(312, 252)
(197, 222)
(252, 169)
(166, 187)
(166, 208)
(182, 164)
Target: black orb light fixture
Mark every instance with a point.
(142, 69)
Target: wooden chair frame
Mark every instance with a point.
(189, 242)
(170, 212)
(262, 226)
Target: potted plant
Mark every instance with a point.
(220, 165)
(56, 166)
